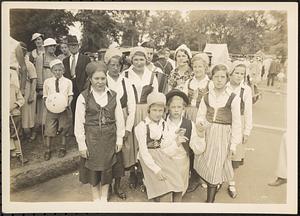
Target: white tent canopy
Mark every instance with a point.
(219, 53)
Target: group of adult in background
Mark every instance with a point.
(172, 124)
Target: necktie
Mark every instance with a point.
(73, 67)
(57, 85)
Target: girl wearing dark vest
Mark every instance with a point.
(144, 82)
(219, 116)
(196, 88)
(123, 87)
(99, 131)
(177, 124)
(238, 86)
(183, 70)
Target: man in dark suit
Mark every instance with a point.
(75, 69)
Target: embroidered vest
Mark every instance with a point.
(152, 143)
(201, 93)
(124, 97)
(242, 101)
(224, 115)
(187, 124)
(95, 115)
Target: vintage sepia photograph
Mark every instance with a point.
(149, 107)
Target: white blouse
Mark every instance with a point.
(247, 98)
(220, 101)
(195, 85)
(140, 82)
(131, 104)
(102, 100)
(169, 145)
(156, 131)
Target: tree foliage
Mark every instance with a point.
(243, 31)
(52, 23)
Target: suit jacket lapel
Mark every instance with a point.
(78, 63)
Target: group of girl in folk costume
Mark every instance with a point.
(164, 146)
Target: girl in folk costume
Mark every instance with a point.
(183, 70)
(219, 116)
(237, 85)
(99, 131)
(196, 88)
(38, 40)
(144, 82)
(43, 72)
(177, 124)
(123, 87)
(162, 78)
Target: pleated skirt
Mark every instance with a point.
(174, 181)
(213, 165)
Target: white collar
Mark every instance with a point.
(149, 121)
(105, 91)
(170, 121)
(204, 79)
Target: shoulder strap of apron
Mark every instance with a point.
(206, 100)
(152, 77)
(189, 84)
(242, 93)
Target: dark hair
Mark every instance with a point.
(172, 98)
(217, 68)
(186, 53)
(148, 44)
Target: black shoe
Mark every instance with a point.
(47, 155)
(193, 185)
(119, 193)
(25, 160)
(62, 152)
(132, 180)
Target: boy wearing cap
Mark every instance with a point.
(57, 123)
(43, 72)
(179, 151)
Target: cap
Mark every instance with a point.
(49, 42)
(177, 92)
(134, 50)
(72, 39)
(184, 47)
(111, 52)
(156, 98)
(55, 62)
(35, 36)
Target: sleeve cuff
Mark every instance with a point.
(119, 141)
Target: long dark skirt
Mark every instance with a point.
(87, 176)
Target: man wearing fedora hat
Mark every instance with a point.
(75, 69)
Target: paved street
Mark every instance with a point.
(251, 179)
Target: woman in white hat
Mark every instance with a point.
(161, 174)
(183, 70)
(38, 40)
(43, 72)
(144, 82)
(123, 87)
